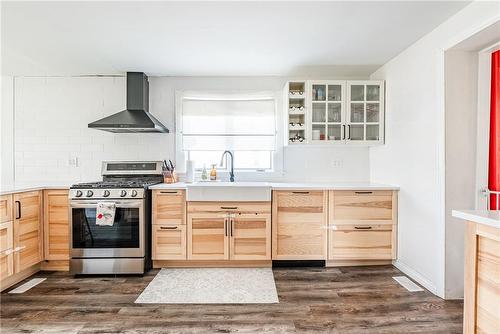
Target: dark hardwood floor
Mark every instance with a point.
(325, 300)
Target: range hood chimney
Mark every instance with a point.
(136, 118)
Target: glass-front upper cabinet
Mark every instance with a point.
(327, 111)
(365, 111)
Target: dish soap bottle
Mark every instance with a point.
(204, 173)
(213, 173)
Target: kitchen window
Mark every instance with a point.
(244, 123)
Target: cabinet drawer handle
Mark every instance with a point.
(168, 192)
(168, 227)
(363, 192)
(229, 207)
(18, 204)
(7, 251)
(363, 227)
(300, 192)
(20, 248)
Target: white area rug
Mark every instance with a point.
(211, 286)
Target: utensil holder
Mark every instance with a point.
(170, 177)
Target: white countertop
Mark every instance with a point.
(285, 185)
(486, 217)
(30, 187)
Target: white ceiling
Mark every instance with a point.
(209, 38)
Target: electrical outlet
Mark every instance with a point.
(73, 162)
(336, 163)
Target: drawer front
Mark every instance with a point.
(169, 207)
(361, 205)
(361, 242)
(169, 242)
(240, 207)
(5, 208)
(299, 225)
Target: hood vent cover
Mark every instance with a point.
(136, 118)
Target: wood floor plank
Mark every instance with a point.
(343, 300)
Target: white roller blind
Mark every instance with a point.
(232, 123)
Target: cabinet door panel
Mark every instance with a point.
(28, 230)
(56, 209)
(299, 225)
(6, 250)
(207, 237)
(361, 242)
(5, 208)
(250, 237)
(169, 207)
(169, 242)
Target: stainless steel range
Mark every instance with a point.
(124, 247)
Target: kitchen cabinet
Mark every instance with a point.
(482, 278)
(6, 250)
(334, 112)
(28, 242)
(169, 225)
(169, 242)
(362, 225)
(56, 224)
(229, 231)
(299, 222)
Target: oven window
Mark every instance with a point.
(123, 234)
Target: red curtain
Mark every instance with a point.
(494, 158)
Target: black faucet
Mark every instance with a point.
(231, 172)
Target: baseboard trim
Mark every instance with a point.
(211, 264)
(416, 276)
(55, 265)
(298, 263)
(355, 263)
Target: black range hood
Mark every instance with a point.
(136, 118)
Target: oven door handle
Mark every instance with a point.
(119, 204)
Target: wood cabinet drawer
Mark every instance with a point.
(169, 207)
(169, 242)
(299, 225)
(361, 242)
(5, 208)
(349, 206)
(224, 207)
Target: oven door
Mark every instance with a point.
(124, 239)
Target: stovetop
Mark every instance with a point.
(114, 184)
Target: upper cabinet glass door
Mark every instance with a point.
(327, 111)
(365, 111)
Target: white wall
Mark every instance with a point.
(460, 174)
(413, 156)
(7, 132)
(51, 117)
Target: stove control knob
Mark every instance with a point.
(123, 193)
(90, 193)
(78, 193)
(106, 193)
(134, 193)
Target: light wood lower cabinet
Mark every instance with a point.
(169, 242)
(299, 225)
(482, 279)
(169, 206)
(6, 249)
(28, 242)
(362, 225)
(229, 231)
(56, 224)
